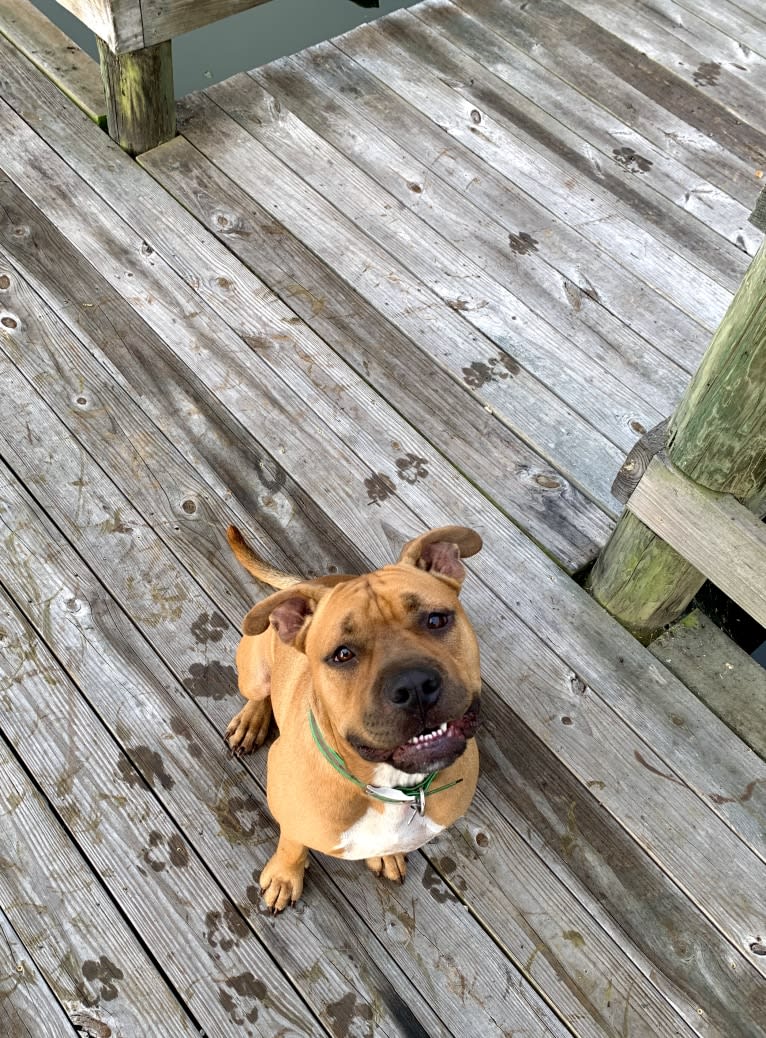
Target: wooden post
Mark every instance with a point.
(717, 437)
(140, 103)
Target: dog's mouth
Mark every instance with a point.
(431, 749)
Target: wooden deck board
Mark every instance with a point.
(27, 1005)
(34, 337)
(545, 417)
(655, 177)
(58, 906)
(743, 28)
(694, 50)
(69, 67)
(586, 275)
(609, 879)
(528, 154)
(681, 119)
(514, 395)
(724, 89)
(690, 962)
(145, 860)
(433, 496)
(722, 674)
(609, 346)
(550, 509)
(471, 282)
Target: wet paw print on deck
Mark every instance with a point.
(379, 488)
(349, 1011)
(100, 977)
(182, 729)
(631, 161)
(250, 990)
(496, 369)
(436, 886)
(147, 763)
(225, 929)
(522, 243)
(87, 1025)
(241, 818)
(158, 857)
(409, 469)
(707, 74)
(211, 680)
(208, 627)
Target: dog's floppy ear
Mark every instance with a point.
(288, 611)
(439, 552)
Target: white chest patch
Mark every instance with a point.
(397, 829)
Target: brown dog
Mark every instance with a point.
(374, 685)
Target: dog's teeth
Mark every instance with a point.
(419, 740)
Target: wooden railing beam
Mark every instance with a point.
(712, 531)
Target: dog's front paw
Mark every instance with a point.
(391, 866)
(249, 728)
(281, 884)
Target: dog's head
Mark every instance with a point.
(393, 658)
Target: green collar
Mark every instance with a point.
(412, 795)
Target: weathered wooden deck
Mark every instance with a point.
(446, 268)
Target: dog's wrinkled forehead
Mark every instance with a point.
(392, 597)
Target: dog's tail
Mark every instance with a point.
(260, 570)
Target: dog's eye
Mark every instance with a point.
(342, 655)
(435, 621)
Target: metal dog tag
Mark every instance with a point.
(389, 793)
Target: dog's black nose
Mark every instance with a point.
(416, 688)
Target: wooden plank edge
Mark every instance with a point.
(51, 51)
(192, 972)
(119, 22)
(467, 836)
